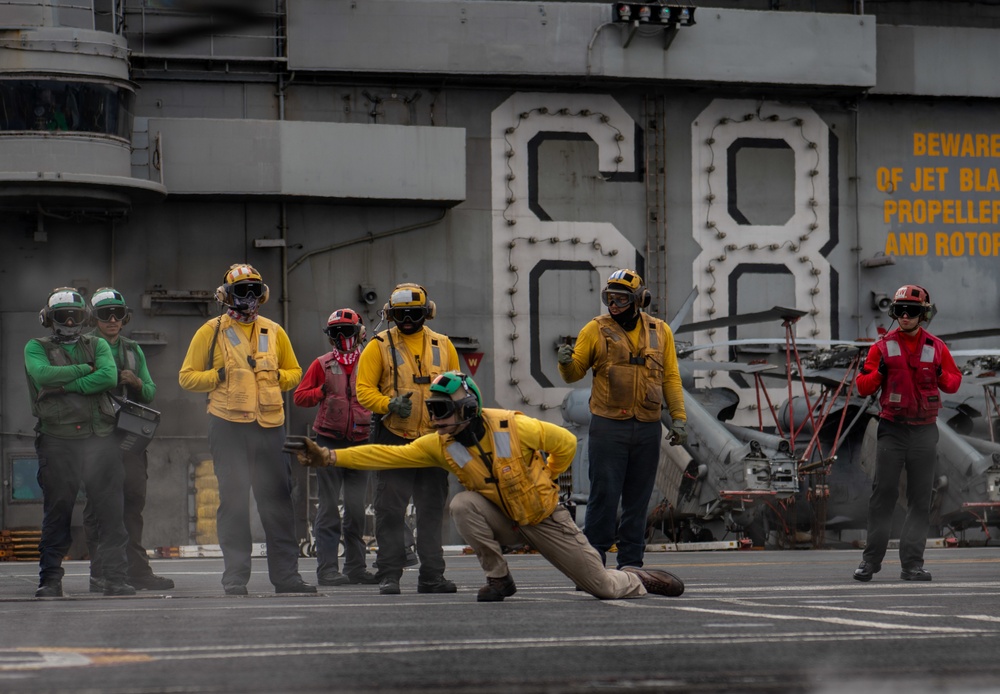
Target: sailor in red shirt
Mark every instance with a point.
(912, 367)
(340, 422)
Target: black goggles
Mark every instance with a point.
(107, 313)
(414, 315)
(335, 331)
(64, 315)
(242, 290)
(439, 409)
(907, 310)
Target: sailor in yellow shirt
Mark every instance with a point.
(394, 376)
(499, 456)
(635, 371)
(244, 362)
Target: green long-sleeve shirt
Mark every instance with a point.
(75, 378)
(119, 351)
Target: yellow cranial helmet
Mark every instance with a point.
(409, 302)
(242, 284)
(628, 282)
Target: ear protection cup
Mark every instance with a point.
(44, 318)
(431, 309)
(644, 298)
(266, 295)
(221, 294)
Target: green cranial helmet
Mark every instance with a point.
(109, 304)
(107, 296)
(66, 312)
(454, 391)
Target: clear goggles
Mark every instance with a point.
(615, 298)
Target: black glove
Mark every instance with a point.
(882, 368)
(940, 371)
(222, 374)
(252, 362)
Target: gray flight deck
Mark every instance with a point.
(750, 621)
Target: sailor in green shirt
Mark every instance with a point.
(69, 375)
(110, 313)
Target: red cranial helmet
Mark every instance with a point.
(913, 301)
(344, 328)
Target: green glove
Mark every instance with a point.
(308, 452)
(401, 405)
(565, 354)
(678, 432)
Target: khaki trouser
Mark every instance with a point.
(486, 528)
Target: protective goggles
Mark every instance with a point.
(619, 299)
(900, 310)
(242, 290)
(440, 409)
(107, 313)
(64, 315)
(345, 331)
(413, 314)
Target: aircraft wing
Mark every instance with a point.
(697, 365)
(686, 350)
(774, 313)
(831, 378)
(969, 334)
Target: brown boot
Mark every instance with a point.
(496, 589)
(658, 582)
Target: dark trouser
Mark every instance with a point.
(393, 489)
(63, 465)
(328, 528)
(249, 456)
(136, 475)
(624, 455)
(913, 448)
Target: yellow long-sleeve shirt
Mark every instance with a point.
(370, 370)
(586, 356)
(428, 450)
(197, 377)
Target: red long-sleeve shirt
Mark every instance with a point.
(870, 380)
(310, 390)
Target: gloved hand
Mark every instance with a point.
(307, 451)
(565, 355)
(49, 392)
(401, 405)
(252, 362)
(678, 432)
(130, 379)
(939, 371)
(222, 374)
(882, 368)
